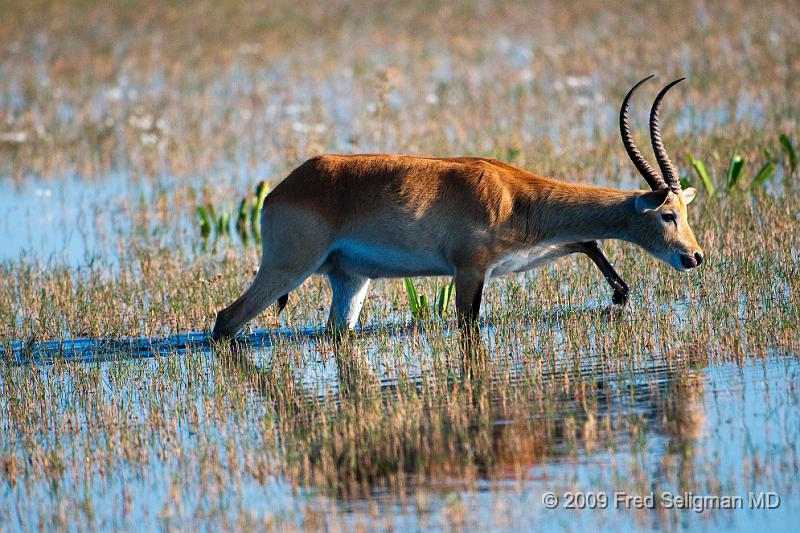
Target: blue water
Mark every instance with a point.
(65, 221)
(741, 426)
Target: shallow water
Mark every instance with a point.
(113, 131)
(693, 423)
(67, 221)
(677, 426)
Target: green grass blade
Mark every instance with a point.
(261, 192)
(735, 166)
(413, 298)
(223, 223)
(791, 153)
(205, 221)
(702, 173)
(762, 175)
(255, 208)
(423, 305)
(445, 292)
(212, 214)
(242, 218)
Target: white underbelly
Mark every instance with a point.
(385, 261)
(522, 260)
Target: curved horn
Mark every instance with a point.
(648, 173)
(668, 170)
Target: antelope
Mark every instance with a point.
(354, 218)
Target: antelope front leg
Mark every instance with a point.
(469, 291)
(593, 251)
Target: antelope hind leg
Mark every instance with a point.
(268, 286)
(287, 259)
(349, 292)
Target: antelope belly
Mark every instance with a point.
(522, 260)
(384, 261)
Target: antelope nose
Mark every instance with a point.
(698, 257)
(689, 261)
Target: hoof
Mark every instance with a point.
(620, 298)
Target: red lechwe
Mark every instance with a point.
(355, 218)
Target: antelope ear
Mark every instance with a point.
(688, 195)
(651, 200)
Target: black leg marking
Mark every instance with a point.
(282, 301)
(469, 291)
(593, 251)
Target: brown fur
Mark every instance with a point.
(454, 216)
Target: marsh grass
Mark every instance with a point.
(692, 386)
(736, 165)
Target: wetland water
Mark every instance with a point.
(617, 435)
(73, 221)
(117, 122)
(169, 432)
(653, 425)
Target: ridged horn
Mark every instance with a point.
(648, 173)
(668, 170)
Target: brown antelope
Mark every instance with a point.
(355, 218)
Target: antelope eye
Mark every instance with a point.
(669, 217)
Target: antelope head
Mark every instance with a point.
(660, 224)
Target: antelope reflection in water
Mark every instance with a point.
(368, 433)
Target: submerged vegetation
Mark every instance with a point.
(170, 123)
